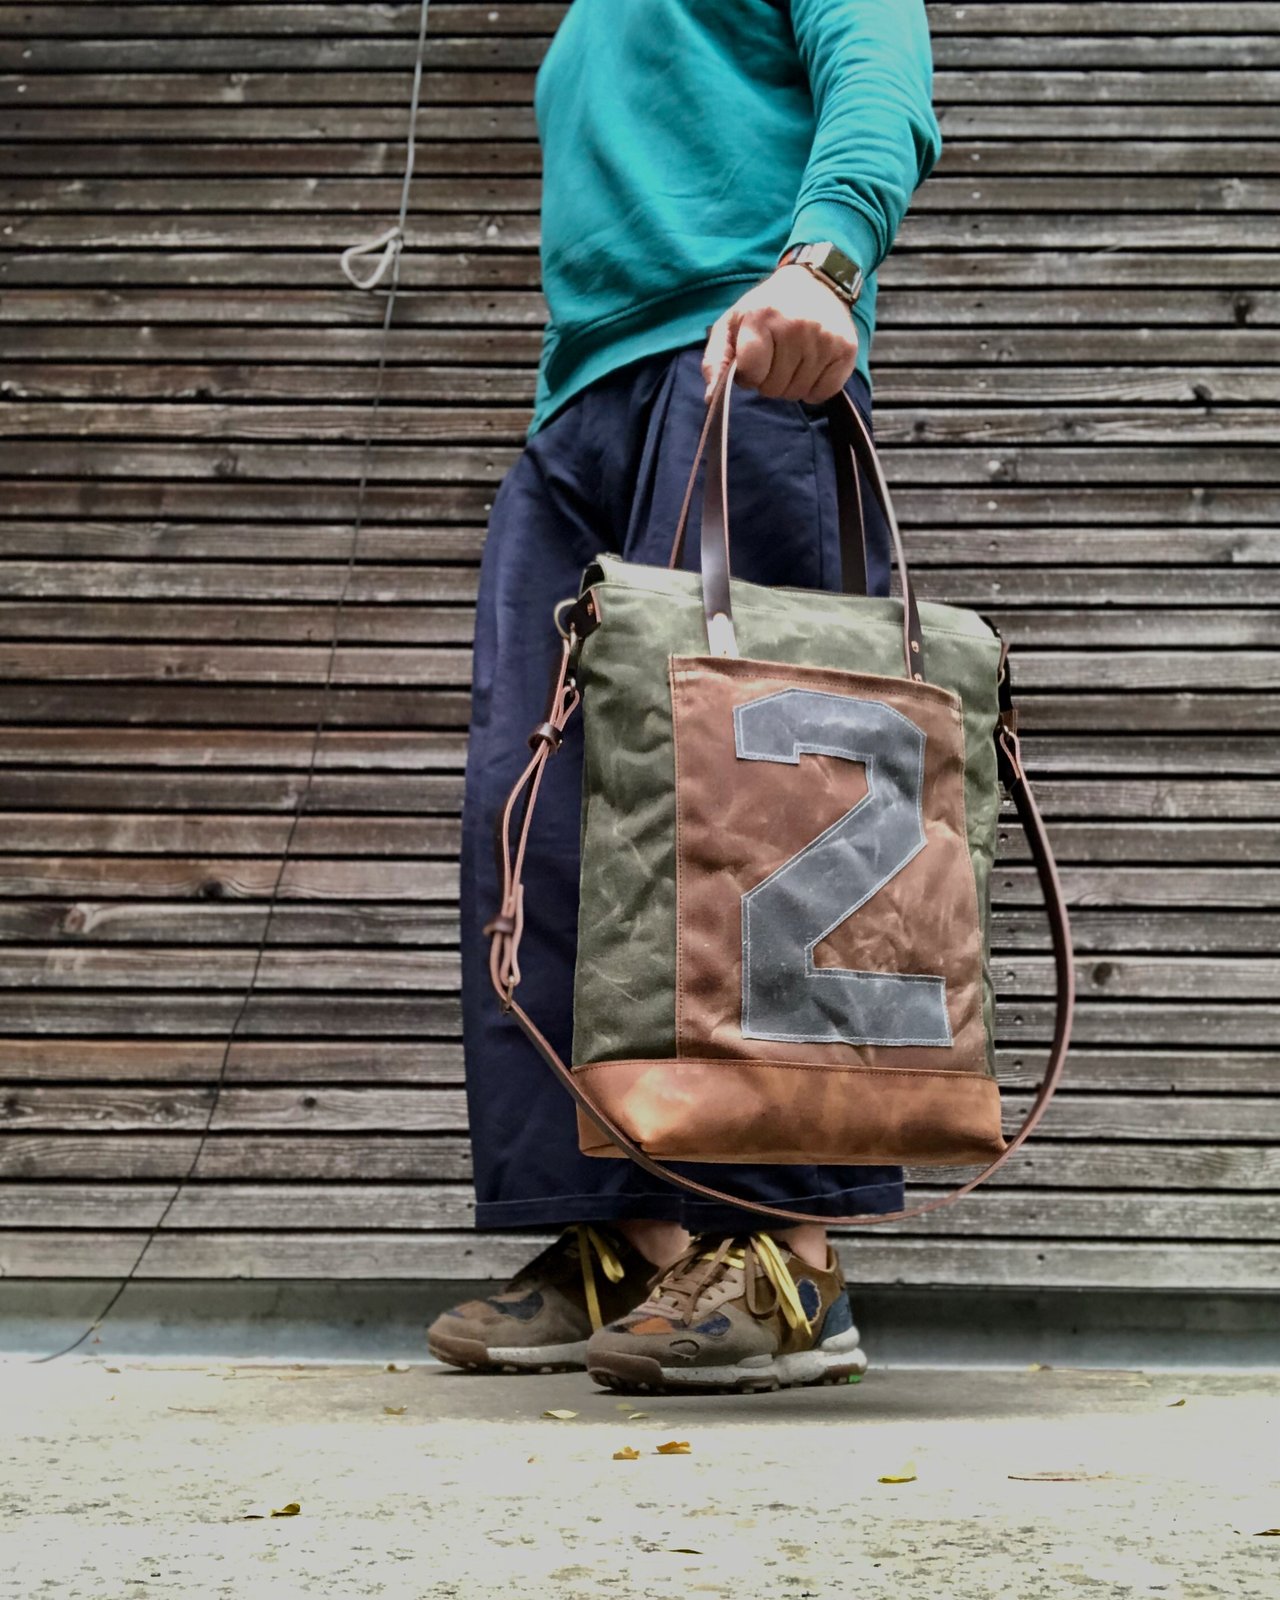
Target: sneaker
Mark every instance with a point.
(735, 1313)
(541, 1320)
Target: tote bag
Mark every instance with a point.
(790, 809)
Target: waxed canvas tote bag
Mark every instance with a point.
(790, 808)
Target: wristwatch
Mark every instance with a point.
(828, 264)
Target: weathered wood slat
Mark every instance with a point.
(1024, 229)
(1042, 193)
(440, 1063)
(1170, 548)
(122, 1108)
(414, 752)
(140, 877)
(1128, 125)
(86, 966)
(1032, 627)
(1165, 17)
(421, 425)
(421, 1158)
(356, 50)
(214, 748)
(418, 1207)
(994, 349)
(357, 863)
(39, 792)
(245, 156)
(506, 390)
(1170, 18)
(1022, 1021)
(441, 708)
(407, 665)
(1095, 931)
(306, 270)
(501, 16)
(425, 583)
(319, 20)
(1128, 68)
(439, 506)
(1062, 467)
(880, 1256)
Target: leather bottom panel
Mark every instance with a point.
(726, 1110)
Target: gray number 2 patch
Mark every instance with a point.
(784, 995)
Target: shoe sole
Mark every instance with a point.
(476, 1356)
(634, 1374)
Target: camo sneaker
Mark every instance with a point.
(736, 1313)
(541, 1319)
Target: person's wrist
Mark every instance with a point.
(830, 265)
(792, 271)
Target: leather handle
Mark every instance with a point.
(506, 927)
(850, 516)
(854, 447)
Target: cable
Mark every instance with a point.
(393, 241)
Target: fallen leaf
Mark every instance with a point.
(683, 1550)
(1267, 1533)
(1039, 1366)
(393, 1366)
(561, 1416)
(1181, 1402)
(111, 1369)
(906, 1475)
(530, 1458)
(637, 1415)
(626, 1454)
(675, 1447)
(291, 1510)
(395, 1411)
(1057, 1477)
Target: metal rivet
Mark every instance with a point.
(915, 645)
(917, 676)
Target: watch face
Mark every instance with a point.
(837, 265)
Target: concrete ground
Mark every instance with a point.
(125, 1478)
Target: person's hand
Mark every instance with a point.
(795, 339)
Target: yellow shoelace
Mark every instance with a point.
(759, 1257)
(589, 1242)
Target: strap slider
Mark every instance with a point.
(545, 733)
(1009, 757)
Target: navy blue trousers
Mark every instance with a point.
(607, 473)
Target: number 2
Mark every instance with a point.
(784, 995)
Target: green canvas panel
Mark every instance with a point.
(624, 989)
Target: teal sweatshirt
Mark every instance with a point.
(686, 142)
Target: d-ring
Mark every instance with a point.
(560, 605)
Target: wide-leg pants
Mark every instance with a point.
(607, 473)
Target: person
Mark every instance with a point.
(689, 146)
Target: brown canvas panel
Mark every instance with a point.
(739, 820)
(791, 1111)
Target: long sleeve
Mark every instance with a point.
(870, 69)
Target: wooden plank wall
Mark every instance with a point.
(1077, 378)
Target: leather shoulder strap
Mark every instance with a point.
(505, 929)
